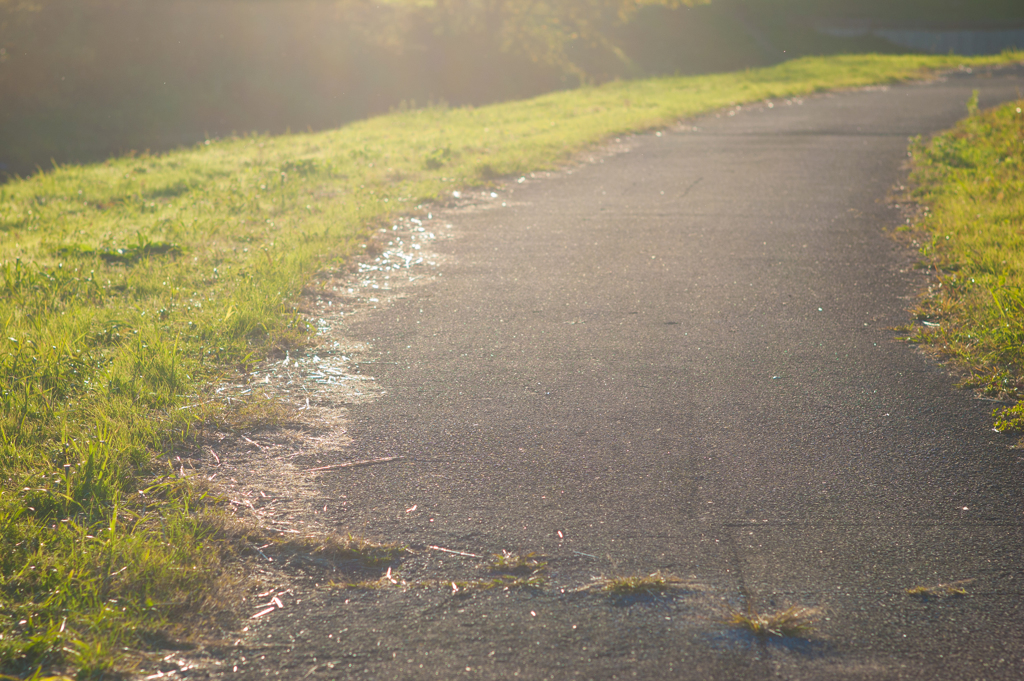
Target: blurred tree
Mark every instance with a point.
(19, 5)
(545, 31)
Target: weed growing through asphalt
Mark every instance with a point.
(456, 587)
(517, 564)
(793, 621)
(516, 571)
(128, 288)
(950, 590)
(505, 582)
(656, 583)
(341, 549)
(970, 181)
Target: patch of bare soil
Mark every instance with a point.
(287, 425)
(267, 459)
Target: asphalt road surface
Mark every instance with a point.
(680, 359)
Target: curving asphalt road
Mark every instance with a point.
(680, 358)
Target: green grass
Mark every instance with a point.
(970, 181)
(793, 621)
(653, 584)
(517, 563)
(951, 590)
(131, 286)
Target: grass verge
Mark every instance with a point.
(970, 181)
(128, 287)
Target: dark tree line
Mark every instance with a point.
(540, 30)
(83, 79)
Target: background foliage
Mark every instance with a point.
(81, 80)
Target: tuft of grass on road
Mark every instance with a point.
(458, 587)
(795, 620)
(517, 563)
(950, 590)
(637, 585)
(626, 586)
(128, 288)
(970, 180)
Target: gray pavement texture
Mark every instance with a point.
(681, 358)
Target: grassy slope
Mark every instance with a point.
(971, 178)
(129, 286)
